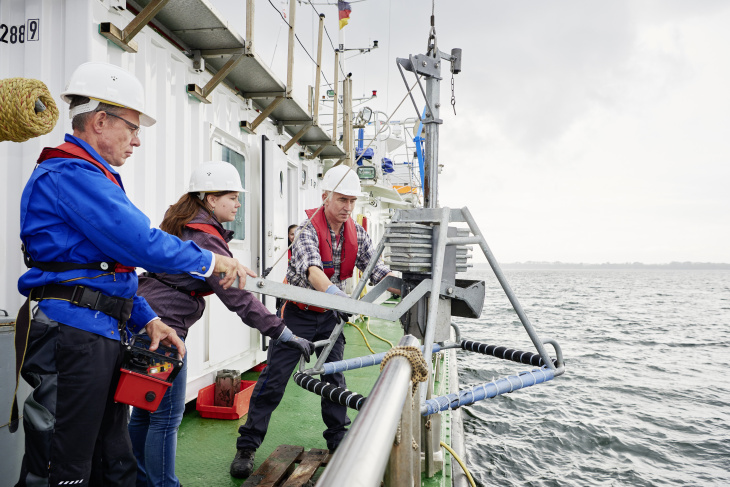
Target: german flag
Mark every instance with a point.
(344, 8)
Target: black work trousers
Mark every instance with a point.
(75, 434)
(282, 360)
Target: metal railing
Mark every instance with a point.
(372, 433)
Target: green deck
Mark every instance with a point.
(207, 446)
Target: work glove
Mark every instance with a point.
(305, 347)
(339, 292)
(332, 289)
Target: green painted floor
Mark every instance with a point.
(207, 446)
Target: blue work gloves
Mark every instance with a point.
(339, 292)
(305, 347)
(336, 291)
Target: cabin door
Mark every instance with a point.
(276, 208)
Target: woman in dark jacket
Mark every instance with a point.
(178, 299)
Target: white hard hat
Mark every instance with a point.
(103, 82)
(215, 176)
(342, 179)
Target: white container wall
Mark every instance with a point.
(187, 133)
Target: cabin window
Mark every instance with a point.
(239, 162)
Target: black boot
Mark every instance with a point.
(242, 465)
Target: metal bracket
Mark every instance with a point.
(296, 137)
(203, 94)
(251, 127)
(425, 66)
(319, 150)
(123, 37)
(198, 61)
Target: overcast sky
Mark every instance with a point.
(586, 131)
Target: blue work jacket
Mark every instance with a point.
(71, 212)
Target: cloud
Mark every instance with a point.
(585, 131)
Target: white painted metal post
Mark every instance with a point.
(290, 61)
(249, 26)
(315, 116)
(336, 87)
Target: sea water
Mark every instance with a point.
(645, 398)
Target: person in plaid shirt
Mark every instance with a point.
(328, 248)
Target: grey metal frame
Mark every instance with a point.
(364, 306)
(463, 215)
(375, 427)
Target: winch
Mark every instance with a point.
(146, 374)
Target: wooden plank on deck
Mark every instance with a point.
(275, 467)
(310, 462)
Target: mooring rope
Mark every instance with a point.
(21, 117)
(419, 368)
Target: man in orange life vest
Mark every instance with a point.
(82, 239)
(328, 249)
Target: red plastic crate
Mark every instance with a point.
(240, 402)
(259, 368)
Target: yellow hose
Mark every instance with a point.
(18, 118)
(363, 336)
(377, 336)
(463, 466)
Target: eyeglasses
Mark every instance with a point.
(134, 128)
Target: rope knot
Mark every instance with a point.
(419, 368)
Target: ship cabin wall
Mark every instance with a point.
(186, 134)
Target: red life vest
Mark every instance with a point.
(67, 150)
(349, 246)
(206, 228)
(210, 230)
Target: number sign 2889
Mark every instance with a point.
(18, 34)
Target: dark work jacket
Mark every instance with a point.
(180, 310)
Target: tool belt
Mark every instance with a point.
(309, 307)
(118, 308)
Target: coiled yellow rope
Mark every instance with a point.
(419, 368)
(18, 118)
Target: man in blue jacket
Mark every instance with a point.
(82, 238)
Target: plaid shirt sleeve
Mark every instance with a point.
(304, 254)
(365, 252)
